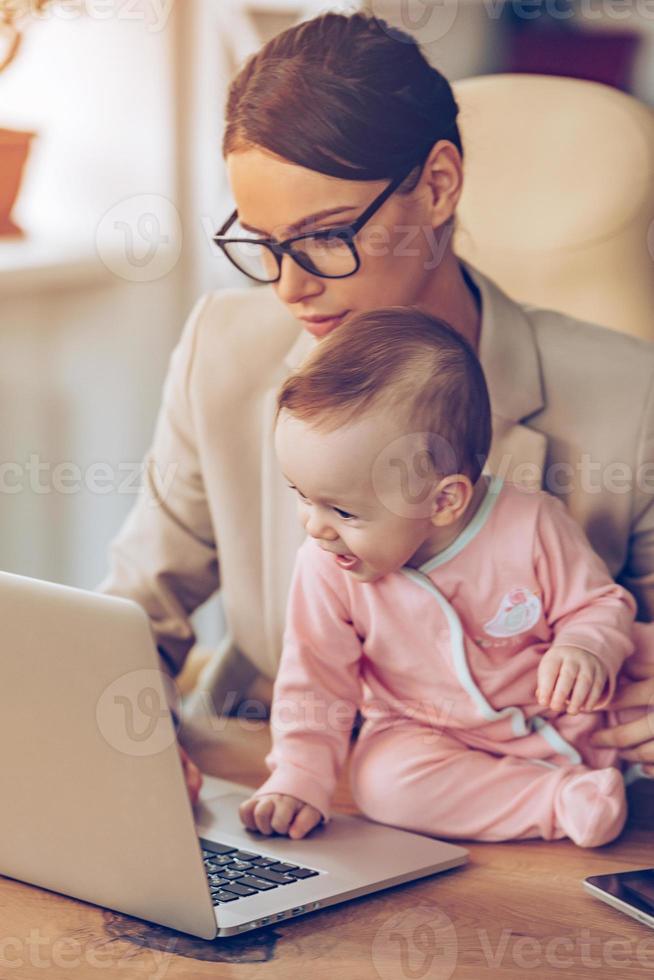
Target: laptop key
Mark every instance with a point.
(220, 859)
(239, 865)
(238, 889)
(218, 849)
(244, 855)
(230, 873)
(257, 883)
(303, 873)
(263, 862)
(282, 867)
(273, 876)
(216, 881)
(223, 896)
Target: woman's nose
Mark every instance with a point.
(295, 283)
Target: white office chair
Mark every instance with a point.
(558, 201)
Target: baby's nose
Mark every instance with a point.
(317, 527)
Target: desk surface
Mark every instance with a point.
(517, 910)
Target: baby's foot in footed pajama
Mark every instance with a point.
(590, 806)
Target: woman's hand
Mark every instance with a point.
(192, 775)
(635, 739)
(279, 814)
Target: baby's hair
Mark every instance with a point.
(405, 360)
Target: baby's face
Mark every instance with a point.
(364, 492)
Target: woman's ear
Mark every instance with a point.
(451, 498)
(443, 179)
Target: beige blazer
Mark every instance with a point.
(572, 404)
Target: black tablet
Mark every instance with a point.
(632, 892)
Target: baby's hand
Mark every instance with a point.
(276, 813)
(567, 674)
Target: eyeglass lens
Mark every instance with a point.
(322, 256)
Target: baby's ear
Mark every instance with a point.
(451, 498)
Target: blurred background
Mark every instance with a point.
(110, 132)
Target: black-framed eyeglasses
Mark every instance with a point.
(330, 254)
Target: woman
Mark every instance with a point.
(345, 161)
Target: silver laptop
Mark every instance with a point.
(96, 806)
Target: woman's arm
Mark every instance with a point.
(638, 575)
(165, 557)
(635, 739)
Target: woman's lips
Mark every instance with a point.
(346, 561)
(320, 327)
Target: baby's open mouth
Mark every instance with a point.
(346, 561)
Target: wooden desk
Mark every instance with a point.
(517, 910)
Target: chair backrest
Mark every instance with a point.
(558, 201)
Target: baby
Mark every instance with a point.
(469, 621)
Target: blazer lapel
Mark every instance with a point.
(303, 344)
(281, 532)
(517, 453)
(511, 363)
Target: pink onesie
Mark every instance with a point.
(442, 663)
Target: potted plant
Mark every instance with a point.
(14, 145)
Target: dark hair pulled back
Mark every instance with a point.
(347, 96)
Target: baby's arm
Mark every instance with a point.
(591, 616)
(315, 698)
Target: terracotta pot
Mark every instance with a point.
(14, 148)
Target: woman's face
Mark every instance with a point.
(401, 248)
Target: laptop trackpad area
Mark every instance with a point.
(219, 813)
(346, 846)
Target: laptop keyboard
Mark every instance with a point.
(235, 874)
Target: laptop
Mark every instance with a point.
(96, 804)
